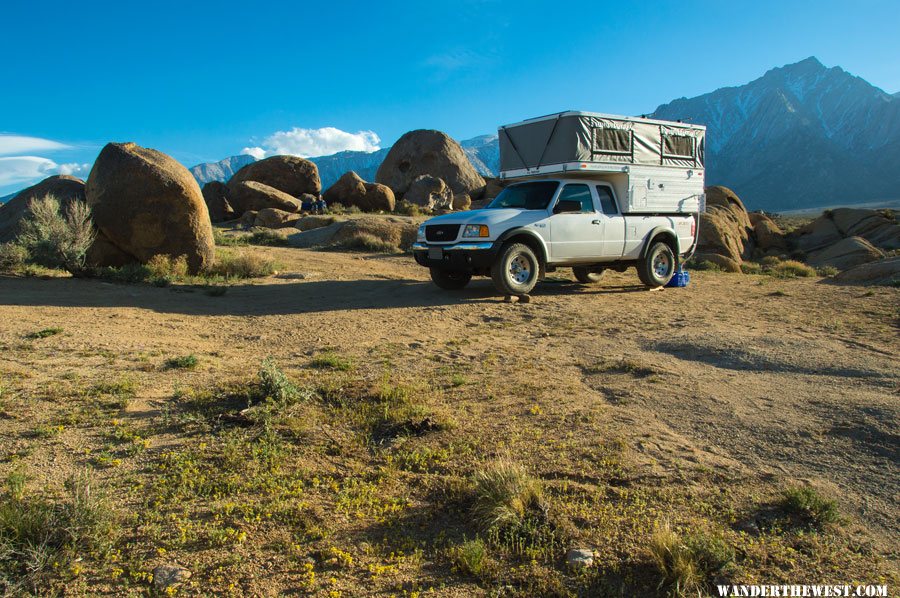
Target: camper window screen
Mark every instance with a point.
(612, 141)
(678, 146)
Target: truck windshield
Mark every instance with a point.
(526, 196)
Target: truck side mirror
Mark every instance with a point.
(567, 205)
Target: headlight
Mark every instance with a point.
(420, 234)
(476, 230)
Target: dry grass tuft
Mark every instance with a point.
(504, 492)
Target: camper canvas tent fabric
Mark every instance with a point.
(587, 137)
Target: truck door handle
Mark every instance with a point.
(595, 222)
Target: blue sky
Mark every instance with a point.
(205, 80)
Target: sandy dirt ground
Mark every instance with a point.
(765, 379)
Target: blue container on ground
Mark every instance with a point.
(681, 278)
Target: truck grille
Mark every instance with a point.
(442, 233)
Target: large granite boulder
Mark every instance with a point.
(817, 235)
(845, 254)
(429, 152)
(145, 203)
(886, 271)
(351, 190)
(877, 227)
(768, 236)
(215, 194)
(64, 188)
(289, 174)
(430, 192)
(275, 218)
(254, 196)
(725, 229)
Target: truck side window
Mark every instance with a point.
(580, 193)
(607, 201)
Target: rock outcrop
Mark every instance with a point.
(846, 253)
(430, 192)
(288, 174)
(769, 237)
(877, 227)
(275, 218)
(429, 152)
(64, 188)
(145, 203)
(351, 190)
(254, 196)
(725, 230)
(215, 194)
(886, 271)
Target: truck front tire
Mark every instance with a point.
(586, 275)
(450, 280)
(657, 266)
(516, 270)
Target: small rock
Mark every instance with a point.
(580, 557)
(524, 298)
(168, 576)
(508, 299)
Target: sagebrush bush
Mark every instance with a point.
(55, 239)
(367, 242)
(410, 209)
(792, 269)
(469, 557)
(810, 506)
(267, 238)
(705, 265)
(12, 257)
(164, 269)
(39, 537)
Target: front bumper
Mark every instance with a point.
(456, 256)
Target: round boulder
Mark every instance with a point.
(725, 228)
(845, 254)
(289, 174)
(767, 234)
(64, 188)
(430, 192)
(253, 196)
(429, 152)
(215, 194)
(146, 204)
(351, 190)
(275, 218)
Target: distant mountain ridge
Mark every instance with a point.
(801, 135)
(6, 198)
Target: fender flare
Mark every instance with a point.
(661, 230)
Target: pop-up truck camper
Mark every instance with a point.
(584, 190)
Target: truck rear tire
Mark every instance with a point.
(586, 275)
(658, 266)
(450, 280)
(516, 270)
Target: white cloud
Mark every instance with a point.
(27, 170)
(257, 152)
(314, 142)
(20, 144)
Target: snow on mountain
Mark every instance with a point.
(801, 135)
(484, 154)
(221, 170)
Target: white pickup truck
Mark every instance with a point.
(614, 206)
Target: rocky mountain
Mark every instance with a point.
(801, 135)
(484, 154)
(365, 164)
(221, 170)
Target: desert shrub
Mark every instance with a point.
(504, 493)
(751, 268)
(268, 238)
(241, 265)
(827, 271)
(339, 208)
(43, 333)
(810, 506)
(55, 239)
(185, 362)
(223, 240)
(12, 257)
(331, 361)
(469, 557)
(362, 241)
(770, 260)
(705, 265)
(40, 537)
(677, 564)
(410, 209)
(275, 386)
(792, 269)
(164, 269)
